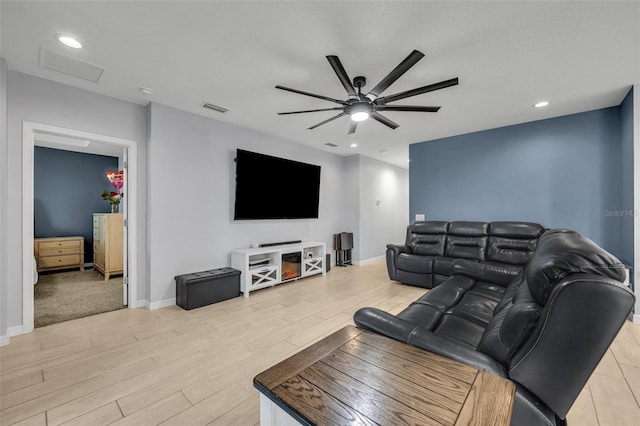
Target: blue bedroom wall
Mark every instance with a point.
(627, 213)
(561, 172)
(67, 188)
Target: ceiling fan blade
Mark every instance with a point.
(418, 91)
(313, 95)
(384, 120)
(327, 120)
(353, 125)
(342, 75)
(408, 108)
(310, 110)
(395, 74)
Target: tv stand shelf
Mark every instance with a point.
(267, 266)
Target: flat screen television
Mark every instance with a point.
(270, 187)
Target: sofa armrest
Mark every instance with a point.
(393, 250)
(381, 322)
(384, 323)
(398, 248)
(483, 272)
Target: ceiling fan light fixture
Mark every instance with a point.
(359, 116)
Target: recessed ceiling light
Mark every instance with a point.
(354, 145)
(541, 104)
(68, 41)
(384, 151)
(146, 91)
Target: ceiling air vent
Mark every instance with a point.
(214, 107)
(332, 145)
(68, 65)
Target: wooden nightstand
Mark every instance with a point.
(59, 253)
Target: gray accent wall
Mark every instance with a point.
(67, 188)
(563, 172)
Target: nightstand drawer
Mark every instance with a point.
(59, 244)
(59, 261)
(58, 251)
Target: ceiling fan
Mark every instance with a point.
(360, 106)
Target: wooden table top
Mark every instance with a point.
(358, 377)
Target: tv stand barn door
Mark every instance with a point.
(267, 266)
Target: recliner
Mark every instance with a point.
(546, 329)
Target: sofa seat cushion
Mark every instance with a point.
(461, 309)
(414, 263)
(460, 329)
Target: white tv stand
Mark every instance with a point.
(267, 266)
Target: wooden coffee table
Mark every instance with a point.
(358, 377)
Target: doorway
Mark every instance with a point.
(85, 142)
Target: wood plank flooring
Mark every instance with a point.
(176, 367)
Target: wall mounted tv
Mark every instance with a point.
(269, 187)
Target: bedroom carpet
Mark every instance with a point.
(63, 296)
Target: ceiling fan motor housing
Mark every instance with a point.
(359, 106)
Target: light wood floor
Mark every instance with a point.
(176, 367)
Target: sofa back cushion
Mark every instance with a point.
(428, 238)
(467, 240)
(512, 242)
(561, 253)
(514, 319)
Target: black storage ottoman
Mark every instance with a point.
(204, 288)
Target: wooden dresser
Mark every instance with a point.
(59, 253)
(108, 249)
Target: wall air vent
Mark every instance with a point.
(68, 65)
(214, 107)
(332, 145)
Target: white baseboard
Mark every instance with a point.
(161, 304)
(371, 259)
(15, 331)
(139, 304)
(11, 332)
(636, 318)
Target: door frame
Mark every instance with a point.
(29, 129)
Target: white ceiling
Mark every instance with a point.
(578, 55)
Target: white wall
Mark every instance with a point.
(351, 204)
(3, 203)
(45, 102)
(186, 187)
(384, 207)
(191, 196)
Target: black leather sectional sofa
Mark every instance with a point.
(545, 328)
(426, 258)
